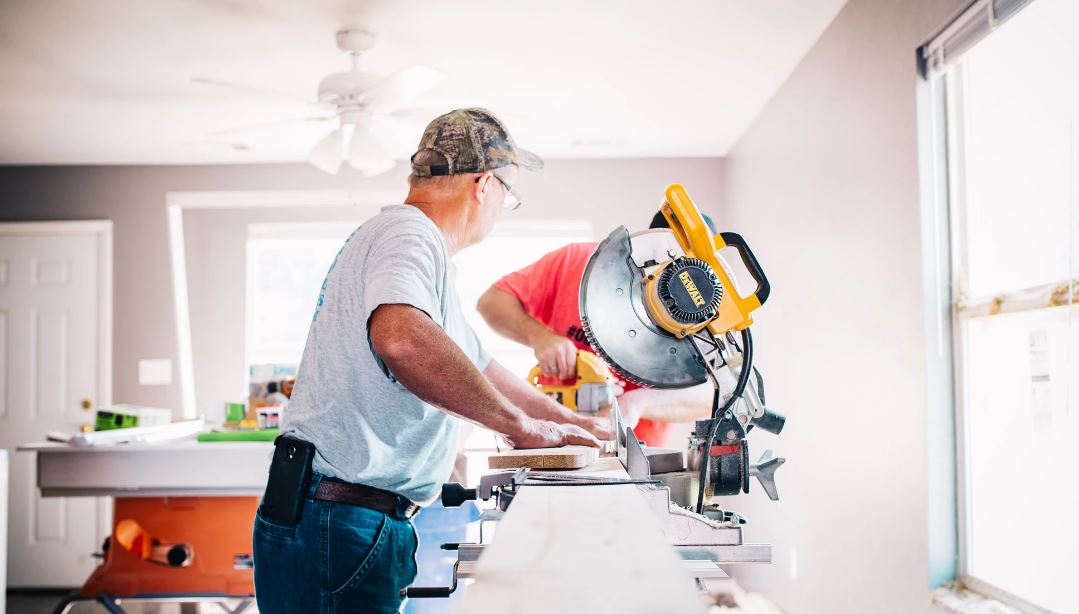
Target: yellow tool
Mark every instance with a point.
(649, 300)
(687, 294)
(592, 391)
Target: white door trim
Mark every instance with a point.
(102, 230)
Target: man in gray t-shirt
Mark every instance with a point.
(389, 368)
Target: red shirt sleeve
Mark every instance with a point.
(539, 285)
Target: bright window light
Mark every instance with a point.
(286, 264)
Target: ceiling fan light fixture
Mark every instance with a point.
(328, 153)
(367, 154)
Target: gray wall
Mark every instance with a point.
(605, 192)
(824, 185)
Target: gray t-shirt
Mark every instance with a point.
(367, 427)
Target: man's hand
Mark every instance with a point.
(547, 434)
(599, 425)
(557, 355)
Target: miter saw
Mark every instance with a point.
(663, 310)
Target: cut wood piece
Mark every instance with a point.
(569, 457)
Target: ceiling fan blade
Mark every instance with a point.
(367, 154)
(327, 154)
(415, 115)
(259, 91)
(423, 115)
(395, 90)
(273, 124)
(222, 146)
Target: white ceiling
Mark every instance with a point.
(109, 81)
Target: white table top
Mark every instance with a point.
(184, 468)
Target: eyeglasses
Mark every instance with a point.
(513, 200)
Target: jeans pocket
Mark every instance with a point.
(355, 537)
(273, 530)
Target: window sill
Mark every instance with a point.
(954, 597)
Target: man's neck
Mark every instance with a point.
(450, 219)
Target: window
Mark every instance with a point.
(286, 263)
(1012, 157)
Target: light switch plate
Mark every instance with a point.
(155, 372)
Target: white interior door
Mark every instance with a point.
(55, 339)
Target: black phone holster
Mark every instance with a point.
(290, 475)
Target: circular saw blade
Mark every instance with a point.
(618, 327)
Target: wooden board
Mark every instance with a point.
(569, 457)
(581, 549)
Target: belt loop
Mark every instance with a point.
(316, 478)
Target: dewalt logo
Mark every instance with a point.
(691, 288)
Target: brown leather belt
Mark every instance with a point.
(329, 489)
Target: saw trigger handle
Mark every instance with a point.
(736, 241)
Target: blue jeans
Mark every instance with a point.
(338, 558)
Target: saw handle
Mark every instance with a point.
(736, 241)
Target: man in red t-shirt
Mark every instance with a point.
(537, 306)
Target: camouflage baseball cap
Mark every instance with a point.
(470, 140)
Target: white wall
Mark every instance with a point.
(824, 186)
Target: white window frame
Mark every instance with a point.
(948, 304)
(965, 306)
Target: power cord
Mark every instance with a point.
(739, 390)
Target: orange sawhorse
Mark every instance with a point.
(218, 532)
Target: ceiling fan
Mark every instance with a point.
(358, 100)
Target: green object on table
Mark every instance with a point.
(240, 435)
(234, 412)
(107, 421)
(124, 416)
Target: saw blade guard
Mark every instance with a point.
(617, 325)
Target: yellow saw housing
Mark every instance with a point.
(721, 308)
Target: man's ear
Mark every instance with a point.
(480, 186)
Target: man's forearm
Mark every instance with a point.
(531, 401)
(505, 315)
(427, 362)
